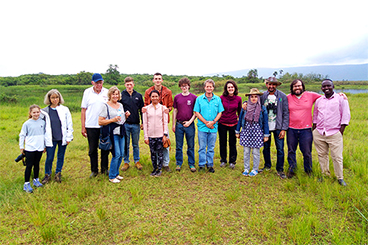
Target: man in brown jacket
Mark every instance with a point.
(166, 100)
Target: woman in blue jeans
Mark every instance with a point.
(112, 115)
(57, 117)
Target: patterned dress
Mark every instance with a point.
(251, 135)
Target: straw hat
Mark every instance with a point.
(253, 91)
(273, 80)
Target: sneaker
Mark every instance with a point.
(246, 172)
(232, 165)
(153, 173)
(36, 183)
(211, 170)
(264, 169)
(138, 165)
(158, 173)
(192, 169)
(178, 168)
(167, 168)
(125, 167)
(342, 182)
(114, 180)
(290, 175)
(93, 174)
(223, 164)
(119, 177)
(202, 169)
(46, 179)
(253, 173)
(58, 177)
(281, 175)
(27, 188)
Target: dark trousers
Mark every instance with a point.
(32, 160)
(93, 136)
(304, 138)
(157, 152)
(280, 151)
(222, 131)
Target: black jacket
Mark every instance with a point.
(132, 103)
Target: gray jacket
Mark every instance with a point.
(282, 114)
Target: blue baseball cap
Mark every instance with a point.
(97, 77)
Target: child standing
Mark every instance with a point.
(254, 124)
(32, 140)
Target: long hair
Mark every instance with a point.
(31, 108)
(226, 93)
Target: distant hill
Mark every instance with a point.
(334, 72)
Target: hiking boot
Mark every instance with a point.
(27, 188)
(58, 177)
(253, 173)
(202, 170)
(178, 168)
(167, 169)
(36, 183)
(223, 164)
(46, 179)
(125, 167)
(93, 174)
(264, 169)
(290, 175)
(138, 165)
(192, 169)
(232, 165)
(342, 182)
(281, 175)
(245, 172)
(211, 170)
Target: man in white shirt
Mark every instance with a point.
(93, 99)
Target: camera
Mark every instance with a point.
(21, 157)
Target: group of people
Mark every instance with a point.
(122, 115)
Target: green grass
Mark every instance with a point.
(179, 208)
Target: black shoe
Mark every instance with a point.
(105, 172)
(264, 169)
(202, 170)
(46, 179)
(342, 182)
(158, 173)
(211, 170)
(93, 174)
(167, 169)
(290, 175)
(281, 175)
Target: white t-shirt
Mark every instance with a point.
(93, 101)
(271, 99)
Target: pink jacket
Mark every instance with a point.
(152, 122)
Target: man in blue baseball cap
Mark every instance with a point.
(93, 98)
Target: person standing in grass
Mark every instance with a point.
(254, 124)
(331, 116)
(155, 127)
(208, 108)
(112, 114)
(166, 100)
(132, 102)
(227, 124)
(183, 117)
(61, 124)
(93, 99)
(33, 139)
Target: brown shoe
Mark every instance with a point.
(125, 167)
(138, 165)
(58, 177)
(167, 169)
(46, 179)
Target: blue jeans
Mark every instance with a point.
(166, 155)
(119, 145)
(50, 157)
(280, 151)
(134, 131)
(206, 140)
(305, 138)
(189, 133)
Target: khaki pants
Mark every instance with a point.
(335, 143)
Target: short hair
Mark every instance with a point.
(154, 91)
(293, 83)
(31, 108)
(183, 81)
(226, 93)
(157, 74)
(327, 79)
(128, 79)
(209, 81)
(47, 100)
(111, 91)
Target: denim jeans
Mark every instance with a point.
(206, 140)
(132, 130)
(189, 133)
(166, 152)
(222, 131)
(280, 151)
(305, 138)
(256, 158)
(119, 145)
(50, 157)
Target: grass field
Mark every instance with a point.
(179, 208)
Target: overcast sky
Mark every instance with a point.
(179, 37)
